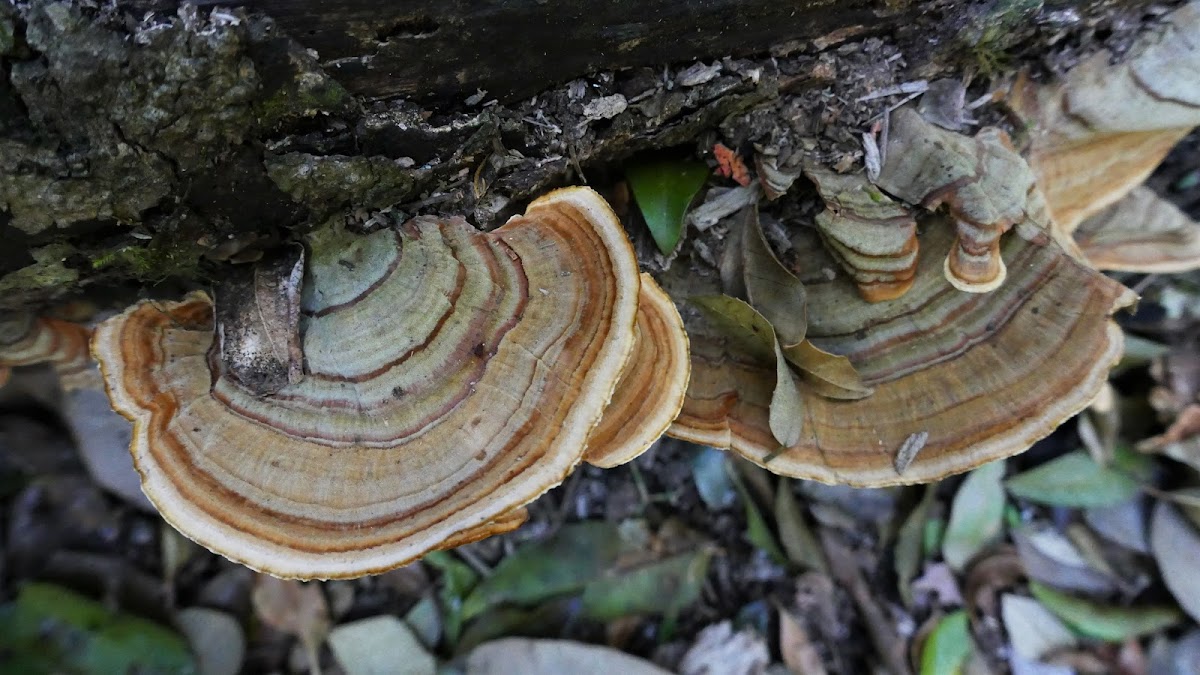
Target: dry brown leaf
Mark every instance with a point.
(799, 653)
(987, 577)
(844, 566)
(258, 322)
(295, 608)
(1185, 426)
(1176, 546)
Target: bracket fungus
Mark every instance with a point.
(872, 237)
(976, 377)
(985, 184)
(26, 340)
(1141, 233)
(1098, 133)
(652, 386)
(450, 377)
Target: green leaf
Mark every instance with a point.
(948, 647)
(976, 516)
(932, 535)
(457, 581)
(216, 639)
(663, 190)
(662, 587)
(712, 478)
(736, 320)
(797, 539)
(770, 287)
(564, 563)
(1105, 622)
(1136, 465)
(49, 629)
(757, 530)
(544, 620)
(909, 540)
(1073, 480)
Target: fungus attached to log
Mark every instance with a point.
(652, 386)
(1141, 233)
(872, 237)
(451, 377)
(1100, 132)
(978, 377)
(985, 184)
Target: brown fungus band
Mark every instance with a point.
(873, 238)
(451, 377)
(26, 340)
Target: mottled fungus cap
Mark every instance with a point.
(451, 377)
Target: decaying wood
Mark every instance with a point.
(151, 141)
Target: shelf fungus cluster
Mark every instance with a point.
(955, 379)
(872, 237)
(954, 347)
(449, 377)
(1098, 133)
(984, 184)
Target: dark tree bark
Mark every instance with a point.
(149, 141)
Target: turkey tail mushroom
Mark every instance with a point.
(873, 238)
(1100, 132)
(650, 393)
(985, 185)
(977, 376)
(451, 377)
(25, 341)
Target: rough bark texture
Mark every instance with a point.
(143, 142)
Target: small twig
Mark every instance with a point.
(914, 88)
(574, 157)
(545, 125)
(1144, 283)
(981, 101)
(888, 110)
(882, 630)
(639, 481)
(473, 561)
